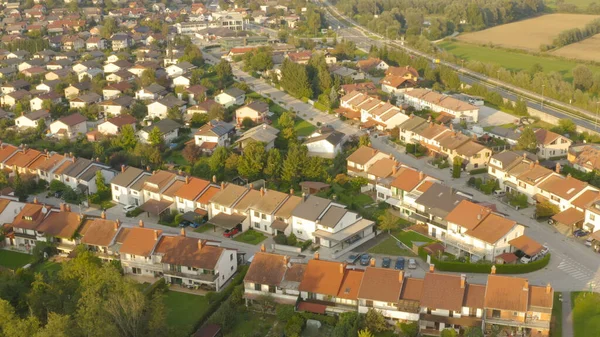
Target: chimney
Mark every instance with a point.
(97, 159)
(66, 155)
(182, 231)
(155, 235)
(200, 243)
(262, 192)
(557, 168)
(35, 201)
(103, 215)
(180, 172)
(291, 191)
(316, 255)
(524, 155)
(67, 207)
(342, 267)
(548, 288)
(262, 248)
(451, 126)
(430, 124)
(474, 137)
(222, 185)
(463, 280)
(71, 154)
(214, 179)
(421, 175)
(493, 270)
(187, 180)
(62, 207)
(286, 260)
(122, 168)
(479, 216)
(531, 165)
(432, 268)
(251, 186)
(148, 168)
(526, 285)
(141, 223)
(372, 264)
(373, 152)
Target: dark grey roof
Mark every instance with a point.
(171, 101)
(333, 138)
(90, 173)
(311, 208)
(128, 177)
(234, 92)
(440, 199)
(259, 106)
(505, 133)
(154, 88)
(164, 125)
(37, 114)
(80, 165)
(333, 215)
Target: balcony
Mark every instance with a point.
(148, 265)
(529, 323)
(199, 277)
(452, 240)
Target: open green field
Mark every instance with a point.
(586, 314)
(13, 260)
(510, 59)
(183, 311)
(390, 246)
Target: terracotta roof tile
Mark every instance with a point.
(30, 216)
(542, 297)
(380, 284)
(442, 291)
(98, 232)
(189, 252)
(407, 179)
(140, 241)
(493, 228)
(60, 224)
(266, 268)
(412, 289)
(474, 296)
(323, 277)
(506, 293)
(351, 285)
(468, 214)
(192, 188)
(362, 155)
(207, 195)
(526, 244)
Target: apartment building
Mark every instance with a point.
(373, 112)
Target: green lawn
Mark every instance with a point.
(176, 158)
(183, 311)
(586, 314)
(204, 228)
(556, 327)
(408, 237)
(302, 127)
(48, 267)
(247, 322)
(250, 236)
(510, 59)
(347, 197)
(390, 247)
(14, 260)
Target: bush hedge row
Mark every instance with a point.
(478, 171)
(485, 268)
(220, 297)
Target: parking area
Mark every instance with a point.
(492, 117)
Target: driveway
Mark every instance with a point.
(492, 117)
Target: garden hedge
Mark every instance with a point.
(478, 171)
(485, 268)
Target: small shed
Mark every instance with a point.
(506, 258)
(312, 187)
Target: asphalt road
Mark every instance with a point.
(509, 91)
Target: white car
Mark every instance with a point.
(129, 208)
(589, 242)
(526, 259)
(412, 264)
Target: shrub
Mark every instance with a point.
(292, 240)
(293, 328)
(478, 171)
(280, 239)
(134, 212)
(517, 199)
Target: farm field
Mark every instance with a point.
(579, 3)
(511, 60)
(540, 30)
(587, 50)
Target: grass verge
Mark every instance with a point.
(586, 314)
(250, 236)
(556, 325)
(408, 237)
(183, 311)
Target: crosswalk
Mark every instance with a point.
(580, 272)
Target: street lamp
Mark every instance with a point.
(543, 85)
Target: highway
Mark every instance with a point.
(363, 39)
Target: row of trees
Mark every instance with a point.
(84, 298)
(574, 35)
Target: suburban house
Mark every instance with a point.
(113, 126)
(330, 225)
(25, 223)
(77, 89)
(152, 92)
(115, 106)
(229, 206)
(69, 126)
(193, 262)
(273, 275)
(81, 174)
(212, 134)
(585, 157)
(372, 64)
(137, 245)
(85, 100)
(256, 111)
(264, 211)
(169, 130)
(373, 112)
(551, 144)
(37, 102)
(397, 80)
(359, 162)
(160, 109)
(179, 69)
(325, 142)
(428, 99)
(190, 195)
(60, 227)
(301, 57)
(126, 186)
(115, 90)
(328, 287)
(32, 119)
(98, 236)
(230, 97)
(263, 133)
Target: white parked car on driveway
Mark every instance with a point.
(129, 208)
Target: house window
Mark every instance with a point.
(257, 225)
(272, 289)
(493, 170)
(495, 313)
(263, 216)
(257, 286)
(592, 217)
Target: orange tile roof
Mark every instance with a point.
(140, 241)
(566, 188)
(533, 174)
(545, 137)
(247, 200)
(506, 293)
(362, 155)
(412, 289)
(526, 244)
(474, 296)
(159, 179)
(442, 291)
(425, 186)
(189, 252)
(192, 189)
(351, 284)
(569, 217)
(407, 179)
(380, 284)
(98, 232)
(30, 216)
(383, 168)
(323, 277)
(173, 188)
(542, 297)
(266, 268)
(46, 162)
(586, 199)
(468, 214)
(60, 224)
(6, 150)
(493, 228)
(63, 167)
(23, 159)
(207, 195)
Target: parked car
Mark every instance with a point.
(365, 259)
(580, 233)
(184, 223)
(386, 263)
(58, 194)
(229, 233)
(412, 264)
(399, 264)
(589, 242)
(352, 258)
(129, 208)
(526, 259)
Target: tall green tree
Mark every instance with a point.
(294, 162)
(155, 137)
(216, 162)
(252, 161)
(527, 141)
(126, 139)
(388, 222)
(274, 162)
(224, 72)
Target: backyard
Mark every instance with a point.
(250, 236)
(248, 321)
(408, 237)
(14, 260)
(47, 267)
(586, 314)
(303, 128)
(184, 310)
(390, 246)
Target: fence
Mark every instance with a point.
(286, 248)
